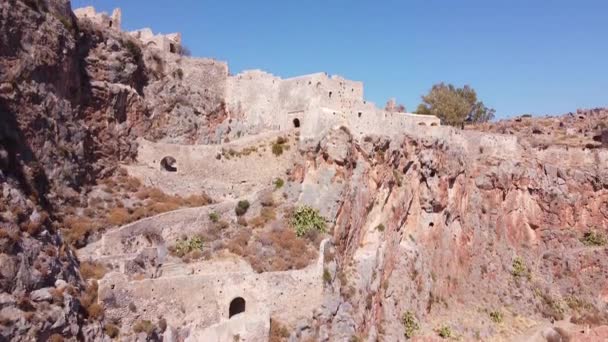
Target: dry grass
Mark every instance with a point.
(130, 201)
(118, 216)
(92, 270)
(278, 332)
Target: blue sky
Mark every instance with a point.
(522, 56)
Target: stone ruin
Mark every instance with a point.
(101, 18)
(170, 43)
(260, 101)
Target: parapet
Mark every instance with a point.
(171, 42)
(101, 18)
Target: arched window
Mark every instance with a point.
(237, 306)
(296, 123)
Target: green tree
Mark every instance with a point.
(454, 105)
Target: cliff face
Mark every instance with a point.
(454, 227)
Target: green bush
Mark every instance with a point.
(519, 268)
(306, 219)
(594, 239)
(185, 246)
(241, 207)
(326, 276)
(410, 323)
(278, 183)
(277, 149)
(380, 227)
(214, 217)
(496, 316)
(444, 332)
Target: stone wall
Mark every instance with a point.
(102, 18)
(318, 102)
(171, 43)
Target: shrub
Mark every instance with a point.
(519, 268)
(162, 324)
(398, 178)
(118, 216)
(380, 227)
(496, 316)
(214, 217)
(277, 149)
(241, 207)
(111, 330)
(95, 311)
(143, 326)
(279, 145)
(444, 332)
(410, 323)
(278, 183)
(306, 219)
(185, 246)
(594, 239)
(92, 270)
(326, 276)
(278, 332)
(55, 338)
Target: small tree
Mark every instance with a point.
(454, 105)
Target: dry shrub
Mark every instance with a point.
(95, 311)
(111, 330)
(92, 270)
(118, 216)
(78, 228)
(278, 332)
(196, 200)
(89, 296)
(55, 338)
(158, 208)
(144, 326)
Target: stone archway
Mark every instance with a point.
(237, 306)
(169, 164)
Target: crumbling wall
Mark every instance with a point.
(170, 43)
(101, 18)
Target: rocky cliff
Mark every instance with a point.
(461, 230)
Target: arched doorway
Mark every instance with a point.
(168, 164)
(296, 123)
(237, 305)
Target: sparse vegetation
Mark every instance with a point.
(380, 227)
(144, 326)
(187, 245)
(398, 178)
(519, 268)
(92, 270)
(306, 219)
(594, 239)
(241, 208)
(279, 146)
(278, 183)
(278, 332)
(496, 316)
(111, 330)
(214, 217)
(326, 276)
(445, 332)
(410, 324)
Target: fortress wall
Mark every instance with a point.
(253, 96)
(204, 299)
(211, 78)
(366, 120)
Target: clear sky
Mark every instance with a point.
(522, 56)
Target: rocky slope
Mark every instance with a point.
(463, 230)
